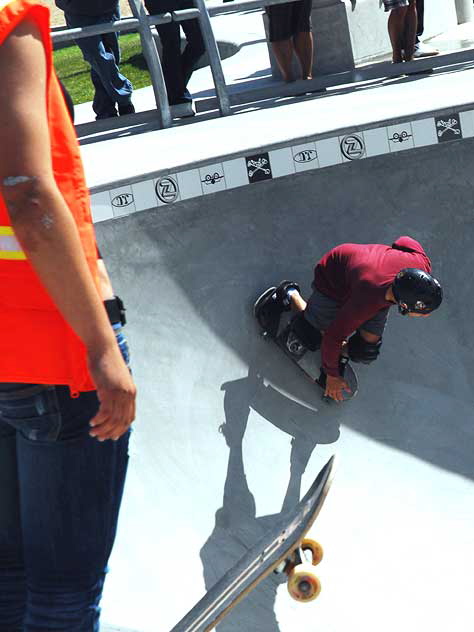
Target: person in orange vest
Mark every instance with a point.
(67, 399)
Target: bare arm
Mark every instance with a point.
(105, 284)
(45, 227)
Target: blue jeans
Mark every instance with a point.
(102, 52)
(60, 494)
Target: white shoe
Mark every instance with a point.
(424, 50)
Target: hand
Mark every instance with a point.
(116, 392)
(335, 387)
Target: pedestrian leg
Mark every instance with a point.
(171, 60)
(194, 50)
(396, 29)
(304, 48)
(283, 51)
(70, 493)
(409, 35)
(12, 572)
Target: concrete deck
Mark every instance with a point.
(228, 433)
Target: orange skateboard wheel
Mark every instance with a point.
(303, 585)
(316, 551)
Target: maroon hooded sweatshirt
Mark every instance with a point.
(357, 276)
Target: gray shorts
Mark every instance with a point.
(321, 311)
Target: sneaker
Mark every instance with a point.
(106, 115)
(268, 314)
(183, 110)
(424, 50)
(182, 98)
(128, 108)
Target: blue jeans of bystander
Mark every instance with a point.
(60, 494)
(102, 52)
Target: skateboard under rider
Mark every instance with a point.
(279, 329)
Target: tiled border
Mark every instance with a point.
(269, 164)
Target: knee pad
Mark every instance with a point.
(362, 351)
(308, 335)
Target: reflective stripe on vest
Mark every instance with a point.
(9, 246)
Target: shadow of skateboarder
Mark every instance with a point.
(237, 528)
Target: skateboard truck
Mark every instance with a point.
(303, 585)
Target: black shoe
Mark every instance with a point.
(282, 293)
(268, 312)
(181, 98)
(128, 108)
(106, 115)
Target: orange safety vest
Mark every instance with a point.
(37, 346)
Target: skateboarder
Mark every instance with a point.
(354, 286)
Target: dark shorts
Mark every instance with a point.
(289, 19)
(321, 311)
(389, 5)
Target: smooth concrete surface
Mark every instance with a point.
(458, 38)
(464, 11)
(229, 434)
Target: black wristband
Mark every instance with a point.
(115, 310)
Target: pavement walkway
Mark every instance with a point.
(251, 64)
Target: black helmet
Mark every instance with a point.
(416, 291)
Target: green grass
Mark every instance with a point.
(75, 72)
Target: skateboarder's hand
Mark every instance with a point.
(116, 392)
(335, 386)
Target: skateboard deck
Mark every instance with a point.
(308, 361)
(283, 549)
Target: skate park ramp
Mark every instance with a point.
(229, 434)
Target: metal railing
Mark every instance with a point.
(225, 96)
(142, 23)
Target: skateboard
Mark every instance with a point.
(284, 550)
(309, 362)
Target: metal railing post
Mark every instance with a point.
(153, 61)
(214, 58)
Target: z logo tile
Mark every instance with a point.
(352, 147)
(167, 190)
